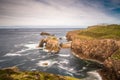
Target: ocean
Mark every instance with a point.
(18, 47)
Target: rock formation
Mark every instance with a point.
(65, 45)
(45, 33)
(51, 44)
(98, 50)
(101, 44)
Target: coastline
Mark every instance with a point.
(96, 44)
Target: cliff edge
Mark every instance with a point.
(100, 43)
(13, 73)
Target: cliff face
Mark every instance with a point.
(98, 50)
(103, 51)
(99, 44)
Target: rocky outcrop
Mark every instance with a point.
(104, 51)
(71, 35)
(65, 45)
(51, 44)
(101, 44)
(45, 33)
(13, 73)
(98, 50)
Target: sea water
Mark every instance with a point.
(18, 47)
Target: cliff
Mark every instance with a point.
(14, 73)
(96, 32)
(99, 43)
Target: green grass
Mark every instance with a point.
(15, 74)
(116, 55)
(101, 32)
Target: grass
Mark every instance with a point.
(101, 32)
(116, 55)
(15, 74)
(52, 37)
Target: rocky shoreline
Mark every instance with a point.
(96, 43)
(103, 50)
(100, 44)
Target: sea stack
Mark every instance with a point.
(50, 43)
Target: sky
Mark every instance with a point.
(72, 13)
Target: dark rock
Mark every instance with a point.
(45, 33)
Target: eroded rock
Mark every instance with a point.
(105, 51)
(51, 44)
(65, 45)
(98, 50)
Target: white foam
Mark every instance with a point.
(18, 53)
(64, 55)
(64, 62)
(69, 69)
(64, 37)
(12, 54)
(69, 74)
(84, 68)
(31, 46)
(33, 59)
(45, 50)
(95, 75)
(19, 64)
(33, 69)
(46, 63)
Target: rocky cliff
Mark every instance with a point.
(101, 44)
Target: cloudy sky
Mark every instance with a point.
(80, 13)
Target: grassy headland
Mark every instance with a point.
(14, 73)
(101, 43)
(99, 32)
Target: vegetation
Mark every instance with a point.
(100, 32)
(102, 43)
(14, 74)
(52, 37)
(116, 55)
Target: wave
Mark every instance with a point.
(64, 62)
(64, 55)
(31, 46)
(46, 63)
(93, 75)
(12, 54)
(18, 53)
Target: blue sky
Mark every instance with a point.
(79, 13)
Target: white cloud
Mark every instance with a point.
(53, 12)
